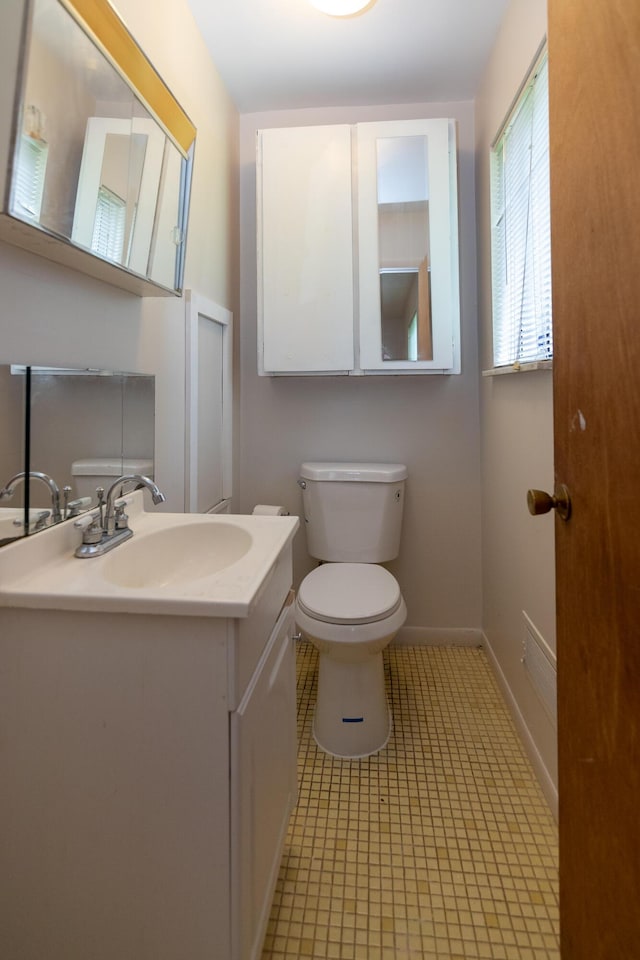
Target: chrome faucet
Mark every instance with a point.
(106, 527)
(8, 491)
(111, 512)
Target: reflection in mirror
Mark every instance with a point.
(87, 428)
(171, 202)
(92, 164)
(118, 189)
(12, 450)
(403, 245)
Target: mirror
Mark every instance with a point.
(13, 404)
(94, 164)
(72, 417)
(403, 245)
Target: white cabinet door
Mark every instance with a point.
(305, 250)
(263, 786)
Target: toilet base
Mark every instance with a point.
(352, 717)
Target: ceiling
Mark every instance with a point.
(284, 54)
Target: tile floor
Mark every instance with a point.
(440, 846)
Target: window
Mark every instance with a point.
(520, 224)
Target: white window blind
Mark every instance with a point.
(109, 224)
(29, 176)
(521, 238)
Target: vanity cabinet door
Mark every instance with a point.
(305, 250)
(263, 786)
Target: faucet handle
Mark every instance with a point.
(87, 519)
(121, 518)
(42, 519)
(91, 526)
(39, 523)
(74, 507)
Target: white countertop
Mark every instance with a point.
(41, 571)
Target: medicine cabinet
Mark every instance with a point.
(357, 235)
(95, 152)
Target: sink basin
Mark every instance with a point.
(176, 555)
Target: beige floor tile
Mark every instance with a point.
(439, 847)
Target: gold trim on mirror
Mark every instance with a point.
(99, 19)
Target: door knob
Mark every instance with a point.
(538, 501)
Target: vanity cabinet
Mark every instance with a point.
(148, 774)
(263, 785)
(357, 242)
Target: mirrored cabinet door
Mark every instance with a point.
(13, 404)
(408, 246)
(98, 152)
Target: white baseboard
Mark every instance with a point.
(438, 637)
(545, 780)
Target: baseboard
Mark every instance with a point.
(438, 637)
(545, 780)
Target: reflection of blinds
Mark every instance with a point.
(29, 178)
(522, 327)
(108, 227)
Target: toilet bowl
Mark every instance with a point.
(350, 612)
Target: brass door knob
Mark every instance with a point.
(538, 502)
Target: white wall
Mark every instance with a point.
(518, 560)
(428, 422)
(55, 316)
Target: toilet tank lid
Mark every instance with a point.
(110, 467)
(369, 472)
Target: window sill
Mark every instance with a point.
(519, 368)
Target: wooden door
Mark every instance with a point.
(594, 81)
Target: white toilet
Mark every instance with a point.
(96, 472)
(349, 607)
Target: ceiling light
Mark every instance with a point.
(341, 8)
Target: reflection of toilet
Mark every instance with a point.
(102, 471)
(349, 607)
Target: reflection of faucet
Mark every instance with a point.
(101, 534)
(8, 491)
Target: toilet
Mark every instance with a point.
(349, 607)
(96, 472)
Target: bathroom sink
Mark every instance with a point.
(176, 555)
(180, 564)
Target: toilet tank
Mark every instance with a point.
(102, 471)
(353, 511)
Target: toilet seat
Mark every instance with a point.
(349, 593)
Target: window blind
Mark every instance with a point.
(521, 236)
(109, 223)
(29, 178)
